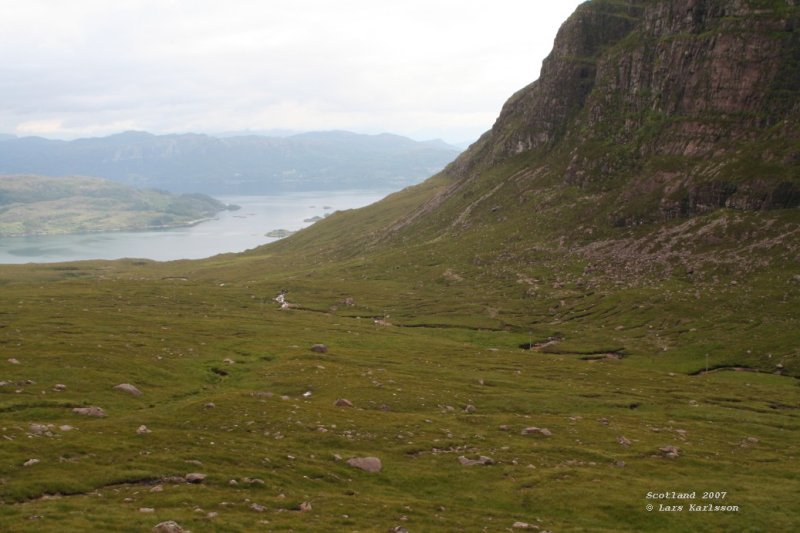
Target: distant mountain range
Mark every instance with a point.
(251, 164)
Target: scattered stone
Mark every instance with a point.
(233, 482)
(130, 389)
(253, 481)
(66, 427)
(319, 348)
(228, 361)
(146, 510)
(367, 464)
(523, 525)
(40, 429)
(90, 411)
(195, 477)
(31, 462)
(670, 452)
(482, 460)
(262, 394)
(620, 464)
(469, 409)
(398, 529)
(305, 507)
(748, 441)
(257, 507)
(173, 479)
(623, 441)
(59, 387)
(343, 402)
(210, 405)
(13, 361)
(157, 488)
(143, 430)
(212, 514)
(503, 427)
(534, 430)
(170, 526)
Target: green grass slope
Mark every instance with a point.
(660, 356)
(206, 338)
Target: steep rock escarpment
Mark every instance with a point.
(669, 108)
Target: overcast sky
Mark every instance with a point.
(422, 68)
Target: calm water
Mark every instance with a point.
(231, 231)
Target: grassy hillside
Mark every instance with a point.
(38, 205)
(611, 377)
(513, 350)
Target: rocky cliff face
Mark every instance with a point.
(673, 108)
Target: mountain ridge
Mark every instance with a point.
(250, 164)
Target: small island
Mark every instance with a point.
(38, 205)
(279, 233)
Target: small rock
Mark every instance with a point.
(195, 477)
(229, 361)
(482, 460)
(40, 429)
(257, 507)
(305, 507)
(398, 529)
(142, 430)
(671, 452)
(59, 387)
(146, 510)
(90, 411)
(367, 464)
(620, 464)
(210, 405)
(212, 514)
(31, 462)
(130, 389)
(343, 402)
(522, 525)
(469, 409)
(319, 348)
(13, 361)
(534, 430)
(157, 488)
(233, 482)
(66, 427)
(623, 441)
(170, 526)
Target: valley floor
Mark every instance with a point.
(473, 432)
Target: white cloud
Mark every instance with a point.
(439, 66)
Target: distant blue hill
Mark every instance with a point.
(249, 164)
